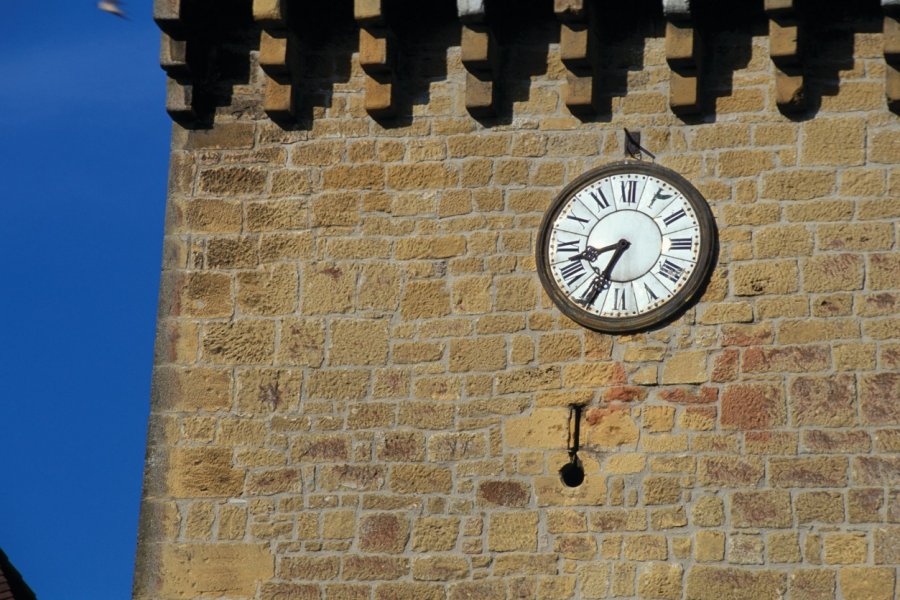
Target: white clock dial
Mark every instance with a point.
(624, 242)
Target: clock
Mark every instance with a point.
(626, 247)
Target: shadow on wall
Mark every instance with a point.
(326, 34)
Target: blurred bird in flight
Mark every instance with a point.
(113, 7)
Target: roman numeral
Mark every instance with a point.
(567, 246)
(660, 195)
(673, 217)
(572, 272)
(601, 200)
(590, 295)
(681, 244)
(629, 192)
(619, 300)
(671, 271)
(580, 221)
(650, 292)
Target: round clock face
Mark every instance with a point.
(625, 247)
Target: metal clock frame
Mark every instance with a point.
(681, 300)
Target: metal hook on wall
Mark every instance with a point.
(572, 473)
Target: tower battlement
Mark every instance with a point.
(430, 326)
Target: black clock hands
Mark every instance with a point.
(602, 280)
(590, 253)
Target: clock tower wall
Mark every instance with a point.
(362, 389)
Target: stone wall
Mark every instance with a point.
(362, 392)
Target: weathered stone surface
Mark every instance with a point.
(715, 583)
(191, 570)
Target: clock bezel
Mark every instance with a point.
(680, 301)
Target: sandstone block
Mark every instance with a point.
(372, 568)
(825, 401)
(745, 549)
(709, 546)
(686, 367)
(867, 583)
(752, 406)
(513, 494)
(783, 547)
(188, 570)
(645, 547)
(865, 506)
(192, 389)
(715, 583)
(358, 342)
(435, 534)
(834, 141)
(609, 428)
(420, 479)
(328, 288)
(241, 342)
(798, 184)
(233, 181)
(822, 471)
(660, 580)
(478, 354)
(827, 507)
(425, 299)
(761, 509)
(708, 511)
(203, 472)
(383, 533)
(272, 291)
(876, 470)
(544, 428)
(775, 277)
(472, 295)
(878, 396)
(513, 531)
(809, 584)
(794, 359)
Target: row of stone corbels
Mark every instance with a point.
(376, 57)
(480, 55)
(785, 51)
(578, 41)
(478, 50)
(168, 15)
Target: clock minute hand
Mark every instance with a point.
(620, 247)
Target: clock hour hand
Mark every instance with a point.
(602, 280)
(590, 253)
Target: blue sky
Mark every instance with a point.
(83, 160)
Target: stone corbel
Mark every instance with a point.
(168, 15)
(892, 52)
(376, 42)
(275, 58)
(785, 49)
(684, 54)
(578, 51)
(480, 56)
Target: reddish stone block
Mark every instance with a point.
(820, 471)
(704, 395)
(793, 359)
(752, 406)
(504, 493)
(879, 397)
(725, 366)
(826, 401)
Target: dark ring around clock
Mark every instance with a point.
(682, 299)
